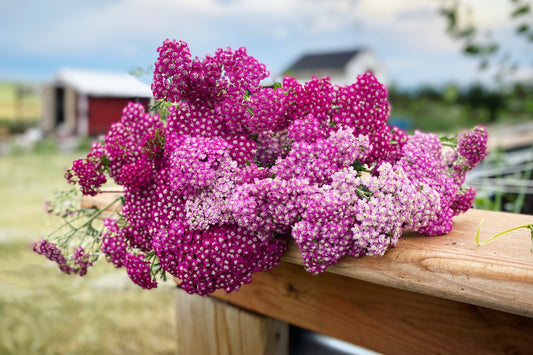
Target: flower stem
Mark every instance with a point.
(448, 144)
(528, 226)
(100, 211)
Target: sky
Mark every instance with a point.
(39, 37)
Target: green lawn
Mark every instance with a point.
(46, 312)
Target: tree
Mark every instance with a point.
(483, 46)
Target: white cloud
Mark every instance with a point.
(407, 34)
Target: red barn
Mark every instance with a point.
(86, 103)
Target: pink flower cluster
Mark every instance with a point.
(88, 172)
(211, 194)
(79, 265)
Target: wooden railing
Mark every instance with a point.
(429, 295)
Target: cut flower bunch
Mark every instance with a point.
(216, 184)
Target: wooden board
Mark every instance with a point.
(205, 326)
(381, 318)
(498, 275)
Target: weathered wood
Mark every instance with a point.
(384, 319)
(498, 275)
(206, 326)
(508, 137)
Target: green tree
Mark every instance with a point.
(482, 45)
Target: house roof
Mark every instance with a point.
(321, 61)
(101, 83)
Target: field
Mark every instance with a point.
(20, 101)
(47, 312)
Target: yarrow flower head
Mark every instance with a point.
(472, 145)
(214, 187)
(139, 270)
(219, 258)
(88, 172)
(52, 253)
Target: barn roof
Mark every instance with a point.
(101, 83)
(321, 61)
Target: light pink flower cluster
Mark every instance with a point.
(211, 194)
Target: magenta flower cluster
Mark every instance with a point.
(81, 260)
(213, 192)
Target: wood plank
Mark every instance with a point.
(498, 275)
(206, 326)
(384, 319)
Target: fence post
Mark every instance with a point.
(209, 326)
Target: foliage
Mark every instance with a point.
(46, 145)
(451, 109)
(483, 46)
(20, 105)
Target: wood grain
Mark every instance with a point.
(381, 318)
(206, 326)
(498, 275)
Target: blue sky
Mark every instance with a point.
(39, 37)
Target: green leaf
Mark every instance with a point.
(358, 165)
(467, 32)
(521, 10)
(448, 140)
(471, 49)
(105, 161)
(451, 15)
(522, 28)
(491, 49)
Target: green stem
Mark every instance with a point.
(100, 211)
(522, 195)
(448, 144)
(362, 193)
(63, 226)
(73, 230)
(528, 226)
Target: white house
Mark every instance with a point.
(342, 67)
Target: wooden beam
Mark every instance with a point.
(206, 326)
(498, 275)
(381, 318)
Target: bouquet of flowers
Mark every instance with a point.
(227, 171)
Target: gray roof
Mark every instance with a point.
(321, 61)
(101, 83)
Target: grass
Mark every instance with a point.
(46, 312)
